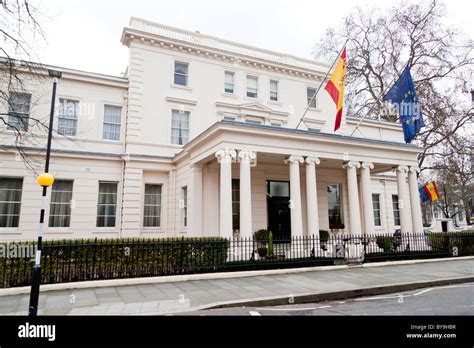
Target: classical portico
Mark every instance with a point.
(248, 157)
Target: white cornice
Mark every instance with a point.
(180, 101)
(254, 106)
(41, 70)
(163, 36)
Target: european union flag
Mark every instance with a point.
(403, 96)
(423, 194)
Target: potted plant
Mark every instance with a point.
(262, 238)
(270, 245)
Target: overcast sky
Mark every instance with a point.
(85, 34)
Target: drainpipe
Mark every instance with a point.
(124, 159)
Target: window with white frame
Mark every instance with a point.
(181, 73)
(107, 204)
(252, 87)
(18, 111)
(235, 204)
(67, 118)
(179, 127)
(253, 121)
(229, 82)
(310, 92)
(273, 90)
(336, 220)
(152, 205)
(60, 205)
(275, 124)
(184, 206)
(10, 201)
(376, 204)
(396, 210)
(112, 118)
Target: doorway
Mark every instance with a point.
(278, 209)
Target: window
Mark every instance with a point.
(278, 188)
(107, 204)
(152, 207)
(10, 201)
(273, 90)
(67, 119)
(376, 204)
(275, 124)
(179, 127)
(396, 210)
(181, 73)
(60, 206)
(334, 207)
(235, 204)
(229, 82)
(252, 87)
(229, 118)
(184, 206)
(112, 117)
(18, 111)
(310, 92)
(253, 121)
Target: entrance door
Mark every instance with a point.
(278, 209)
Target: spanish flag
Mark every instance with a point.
(335, 87)
(430, 191)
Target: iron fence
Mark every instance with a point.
(82, 260)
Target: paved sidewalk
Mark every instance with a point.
(172, 297)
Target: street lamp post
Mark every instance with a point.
(44, 180)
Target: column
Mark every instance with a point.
(311, 196)
(354, 208)
(245, 158)
(368, 207)
(225, 158)
(415, 200)
(295, 196)
(196, 208)
(402, 198)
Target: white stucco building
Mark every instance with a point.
(198, 138)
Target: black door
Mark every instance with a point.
(278, 209)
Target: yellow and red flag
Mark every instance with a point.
(335, 87)
(432, 191)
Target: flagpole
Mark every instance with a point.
(324, 79)
(392, 83)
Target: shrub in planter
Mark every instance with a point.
(270, 244)
(385, 243)
(261, 236)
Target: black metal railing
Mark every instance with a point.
(83, 260)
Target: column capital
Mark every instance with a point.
(351, 164)
(226, 155)
(400, 169)
(312, 160)
(367, 165)
(294, 159)
(247, 155)
(414, 169)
